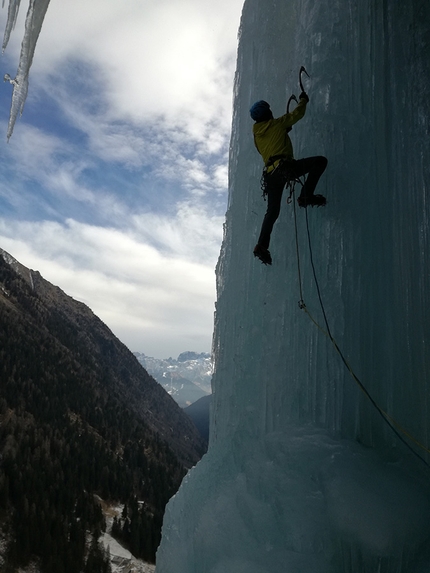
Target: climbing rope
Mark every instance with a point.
(389, 420)
(291, 185)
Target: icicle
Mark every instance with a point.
(11, 20)
(33, 24)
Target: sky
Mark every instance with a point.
(114, 183)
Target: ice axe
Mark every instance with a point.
(302, 70)
(293, 97)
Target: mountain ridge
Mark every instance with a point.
(79, 418)
(104, 346)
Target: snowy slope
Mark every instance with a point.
(122, 561)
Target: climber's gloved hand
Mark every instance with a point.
(304, 96)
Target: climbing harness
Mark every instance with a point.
(388, 419)
(278, 162)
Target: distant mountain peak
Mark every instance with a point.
(186, 379)
(189, 355)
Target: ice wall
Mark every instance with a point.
(302, 474)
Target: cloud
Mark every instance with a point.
(193, 234)
(170, 61)
(58, 171)
(148, 83)
(43, 173)
(171, 58)
(114, 183)
(35, 152)
(145, 296)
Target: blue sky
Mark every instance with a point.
(114, 183)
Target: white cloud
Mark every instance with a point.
(145, 297)
(193, 234)
(34, 151)
(157, 78)
(170, 58)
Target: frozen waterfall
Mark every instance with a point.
(302, 474)
(33, 24)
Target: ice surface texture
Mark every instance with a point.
(33, 24)
(302, 474)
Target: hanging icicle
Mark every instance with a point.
(33, 24)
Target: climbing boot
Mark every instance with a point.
(263, 254)
(312, 200)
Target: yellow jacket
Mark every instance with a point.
(271, 137)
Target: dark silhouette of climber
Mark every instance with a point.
(274, 145)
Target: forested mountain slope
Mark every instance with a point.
(78, 416)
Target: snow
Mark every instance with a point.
(302, 473)
(121, 560)
(9, 259)
(33, 24)
(18, 268)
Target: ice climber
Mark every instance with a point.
(274, 145)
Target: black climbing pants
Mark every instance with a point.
(275, 183)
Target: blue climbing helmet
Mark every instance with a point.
(261, 111)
